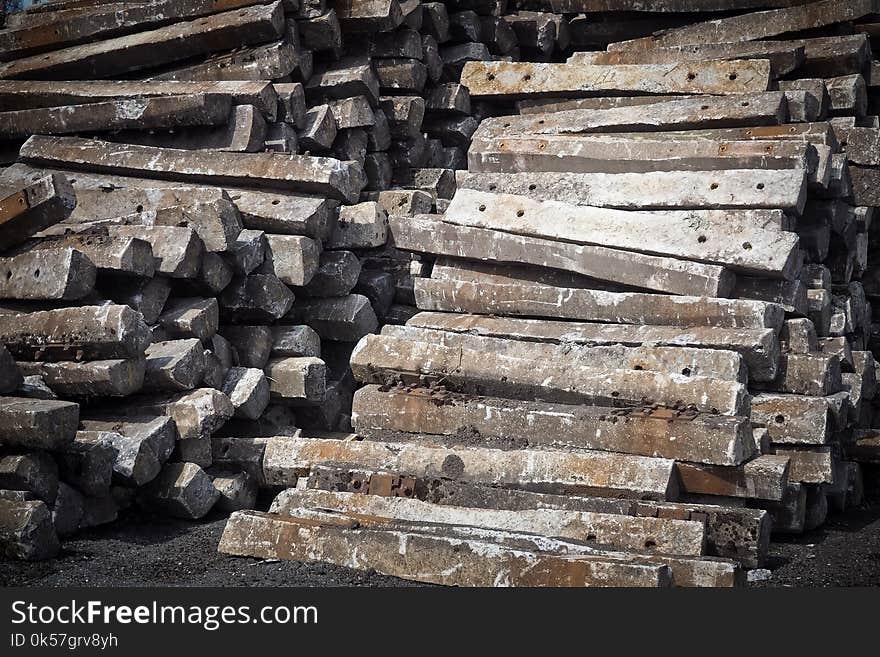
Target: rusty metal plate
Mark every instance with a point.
(12, 206)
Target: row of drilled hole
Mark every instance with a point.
(9, 273)
(690, 76)
(521, 213)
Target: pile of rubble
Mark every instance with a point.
(628, 339)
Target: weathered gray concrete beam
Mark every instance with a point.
(244, 131)
(716, 363)
(758, 347)
(636, 153)
(377, 358)
(140, 114)
(755, 25)
(783, 57)
(512, 80)
(303, 173)
(661, 190)
(66, 28)
(426, 558)
(620, 475)
(424, 414)
(271, 61)
(79, 333)
(733, 532)
(63, 273)
(662, 274)
(30, 94)
(122, 254)
(640, 534)
(694, 113)
(94, 378)
(536, 300)
(196, 414)
(746, 247)
(151, 48)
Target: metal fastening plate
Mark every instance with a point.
(382, 484)
(12, 206)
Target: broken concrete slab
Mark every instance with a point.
(27, 531)
(248, 390)
(182, 490)
(297, 378)
(34, 472)
(174, 365)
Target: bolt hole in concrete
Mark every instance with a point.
(36, 273)
(713, 186)
(731, 77)
(490, 76)
(649, 544)
(482, 208)
(532, 187)
(526, 78)
(779, 419)
(692, 76)
(702, 239)
(614, 393)
(745, 103)
(276, 202)
(492, 188)
(520, 213)
(760, 185)
(139, 208)
(747, 246)
(686, 371)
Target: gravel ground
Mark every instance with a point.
(141, 550)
